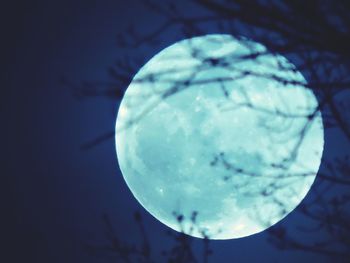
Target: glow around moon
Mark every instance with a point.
(230, 141)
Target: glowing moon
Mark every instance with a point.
(219, 126)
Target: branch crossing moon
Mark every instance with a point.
(217, 137)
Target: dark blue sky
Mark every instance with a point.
(55, 192)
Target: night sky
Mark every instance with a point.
(56, 192)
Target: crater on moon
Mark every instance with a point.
(200, 129)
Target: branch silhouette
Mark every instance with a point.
(316, 34)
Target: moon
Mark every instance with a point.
(218, 138)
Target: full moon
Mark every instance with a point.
(219, 138)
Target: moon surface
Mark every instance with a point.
(216, 137)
